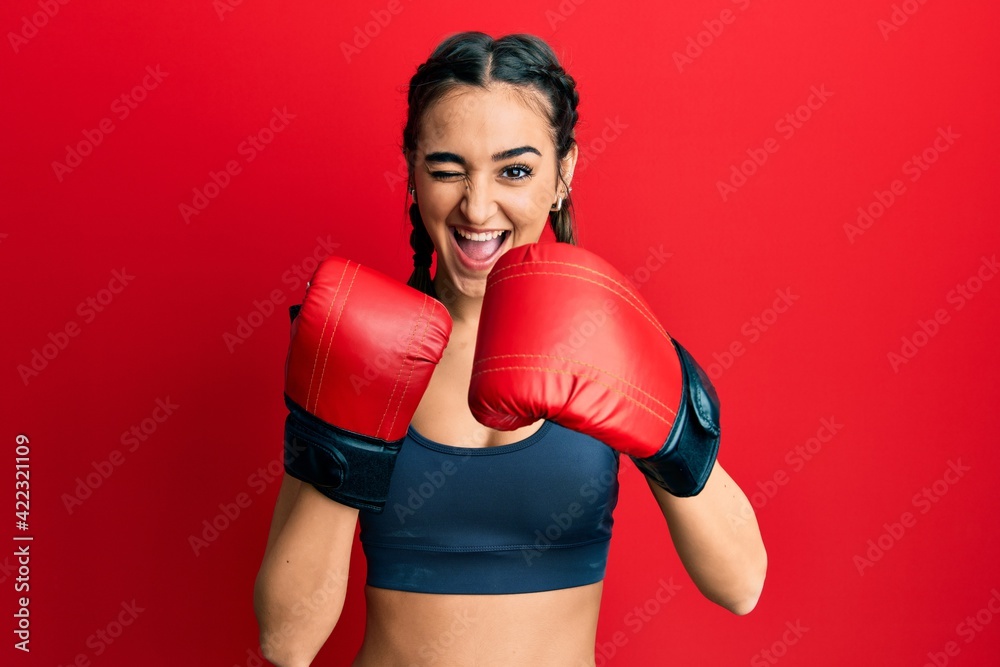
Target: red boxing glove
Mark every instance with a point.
(363, 349)
(564, 336)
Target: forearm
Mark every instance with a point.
(300, 588)
(718, 540)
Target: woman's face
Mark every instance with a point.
(485, 173)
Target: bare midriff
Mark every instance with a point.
(553, 628)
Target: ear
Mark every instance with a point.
(409, 176)
(568, 164)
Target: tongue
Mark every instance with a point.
(479, 250)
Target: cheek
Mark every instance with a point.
(533, 205)
(436, 205)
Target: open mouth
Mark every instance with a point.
(480, 246)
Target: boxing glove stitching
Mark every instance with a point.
(625, 288)
(625, 291)
(647, 316)
(408, 361)
(426, 321)
(336, 325)
(312, 374)
(579, 363)
(577, 375)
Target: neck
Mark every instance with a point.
(464, 309)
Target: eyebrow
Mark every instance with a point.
(445, 156)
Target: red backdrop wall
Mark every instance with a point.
(805, 194)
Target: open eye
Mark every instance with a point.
(518, 172)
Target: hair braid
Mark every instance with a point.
(423, 250)
(562, 221)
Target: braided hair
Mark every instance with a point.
(476, 59)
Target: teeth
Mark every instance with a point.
(482, 236)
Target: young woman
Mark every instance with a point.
(492, 544)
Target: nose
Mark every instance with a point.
(479, 202)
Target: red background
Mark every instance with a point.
(670, 134)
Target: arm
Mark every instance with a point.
(718, 540)
(363, 348)
(620, 383)
(300, 588)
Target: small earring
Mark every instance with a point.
(412, 191)
(557, 206)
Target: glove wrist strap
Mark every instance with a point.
(685, 461)
(350, 468)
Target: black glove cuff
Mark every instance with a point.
(685, 461)
(347, 467)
